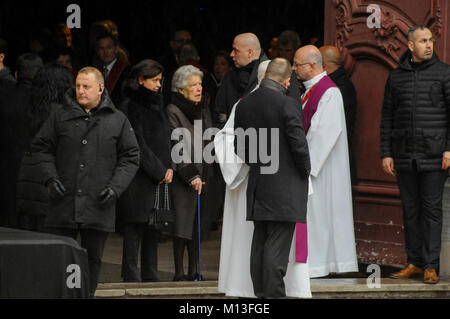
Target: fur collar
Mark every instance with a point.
(147, 98)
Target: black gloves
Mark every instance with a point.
(55, 189)
(107, 197)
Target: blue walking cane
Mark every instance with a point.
(199, 251)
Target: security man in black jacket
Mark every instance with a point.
(415, 146)
(88, 156)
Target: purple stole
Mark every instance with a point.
(313, 98)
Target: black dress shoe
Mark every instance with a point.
(180, 278)
(194, 277)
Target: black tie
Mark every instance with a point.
(105, 72)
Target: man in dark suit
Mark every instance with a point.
(332, 63)
(277, 194)
(114, 69)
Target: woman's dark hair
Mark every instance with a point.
(49, 86)
(146, 69)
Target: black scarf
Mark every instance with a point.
(244, 76)
(190, 109)
(148, 98)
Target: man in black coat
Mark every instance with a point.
(242, 79)
(277, 193)
(415, 147)
(88, 155)
(13, 100)
(335, 70)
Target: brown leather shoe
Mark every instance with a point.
(430, 276)
(407, 272)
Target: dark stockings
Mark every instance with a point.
(178, 254)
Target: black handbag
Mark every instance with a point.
(162, 217)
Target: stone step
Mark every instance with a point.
(321, 289)
(203, 289)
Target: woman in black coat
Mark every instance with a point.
(144, 107)
(48, 89)
(187, 106)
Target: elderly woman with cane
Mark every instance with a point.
(188, 107)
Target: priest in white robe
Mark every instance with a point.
(237, 232)
(331, 238)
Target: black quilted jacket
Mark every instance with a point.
(415, 116)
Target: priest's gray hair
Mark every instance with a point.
(182, 76)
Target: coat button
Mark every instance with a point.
(79, 191)
(84, 142)
(81, 166)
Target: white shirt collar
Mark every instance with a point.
(309, 84)
(110, 66)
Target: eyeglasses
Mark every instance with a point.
(296, 65)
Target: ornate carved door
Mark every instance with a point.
(371, 47)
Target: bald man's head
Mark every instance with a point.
(279, 70)
(307, 62)
(331, 58)
(246, 48)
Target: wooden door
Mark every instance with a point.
(371, 48)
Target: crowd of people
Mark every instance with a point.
(89, 147)
(90, 152)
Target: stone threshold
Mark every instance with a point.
(320, 288)
(156, 289)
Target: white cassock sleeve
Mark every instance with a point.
(234, 169)
(325, 128)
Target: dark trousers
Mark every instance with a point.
(33, 223)
(421, 194)
(135, 233)
(94, 242)
(271, 245)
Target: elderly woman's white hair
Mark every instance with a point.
(262, 70)
(182, 75)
